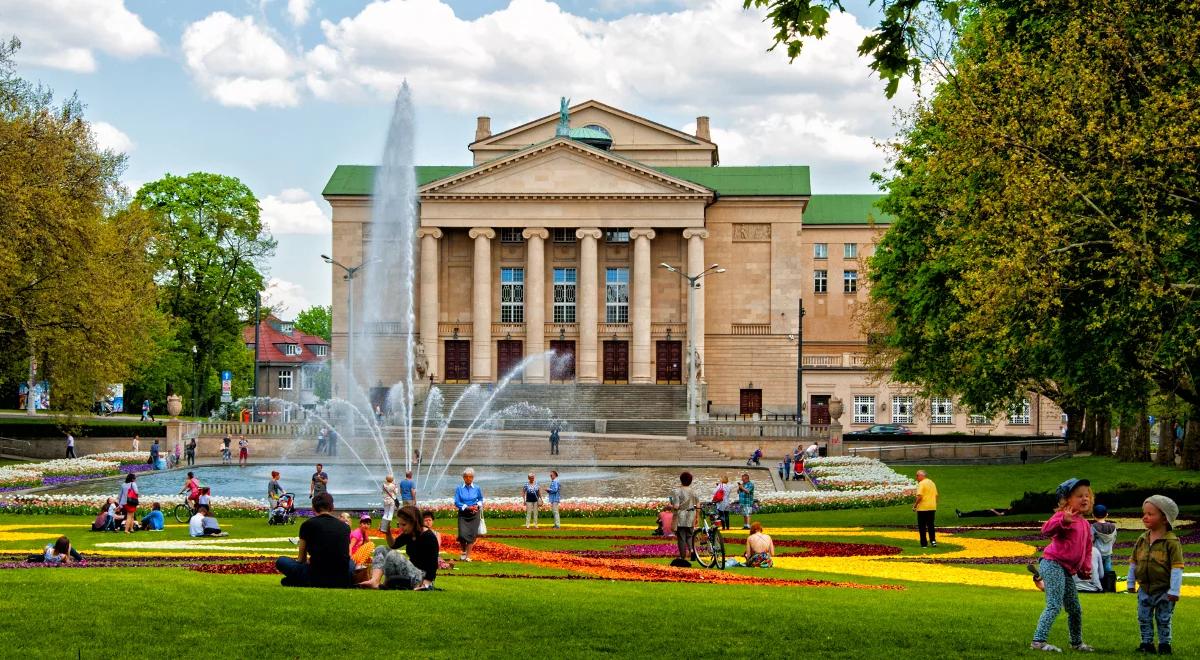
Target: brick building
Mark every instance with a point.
(288, 360)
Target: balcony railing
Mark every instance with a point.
(842, 361)
(449, 329)
(751, 329)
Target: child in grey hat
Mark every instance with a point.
(1157, 566)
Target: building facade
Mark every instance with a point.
(555, 239)
(290, 362)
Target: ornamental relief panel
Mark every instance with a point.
(751, 233)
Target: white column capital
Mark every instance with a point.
(641, 232)
(432, 232)
(695, 232)
(588, 232)
(484, 232)
(535, 232)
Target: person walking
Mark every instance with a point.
(155, 453)
(390, 504)
(683, 503)
(787, 466)
(70, 446)
(408, 490)
(554, 495)
(745, 491)
(554, 438)
(243, 451)
(135, 445)
(147, 411)
(1024, 455)
(926, 508)
(190, 451)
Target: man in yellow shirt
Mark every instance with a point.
(926, 507)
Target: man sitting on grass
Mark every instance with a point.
(204, 524)
(323, 558)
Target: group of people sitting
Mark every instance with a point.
(327, 552)
(112, 517)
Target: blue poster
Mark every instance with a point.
(41, 395)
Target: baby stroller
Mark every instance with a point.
(284, 511)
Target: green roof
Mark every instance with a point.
(789, 180)
(845, 210)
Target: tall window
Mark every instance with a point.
(564, 295)
(512, 295)
(511, 235)
(820, 250)
(616, 235)
(864, 409)
(850, 281)
(564, 235)
(306, 378)
(820, 281)
(941, 411)
(285, 379)
(1019, 414)
(902, 410)
(850, 251)
(616, 300)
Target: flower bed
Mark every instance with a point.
(123, 457)
(88, 505)
(17, 479)
(75, 467)
(855, 473)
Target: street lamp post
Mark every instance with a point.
(195, 383)
(349, 277)
(693, 284)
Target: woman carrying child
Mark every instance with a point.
(1069, 553)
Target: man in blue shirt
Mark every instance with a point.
(553, 493)
(746, 499)
(154, 451)
(468, 499)
(408, 490)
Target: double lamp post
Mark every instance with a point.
(693, 283)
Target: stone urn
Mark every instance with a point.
(835, 410)
(174, 405)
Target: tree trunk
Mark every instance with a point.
(1166, 443)
(1141, 439)
(1191, 445)
(1075, 421)
(30, 398)
(1126, 442)
(1104, 436)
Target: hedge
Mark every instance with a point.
(51, 428)
(1124, 496)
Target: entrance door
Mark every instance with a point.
(458, 361)
(669, 361)
(751, 402)
(509, 353)
(818, 409)
(562, 365)
(616, 361)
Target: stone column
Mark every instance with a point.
(481, 308)
(695, 264)
(639, 312)
(429, 311)
(535, 302)
(586, 362)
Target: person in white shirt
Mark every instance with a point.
(812, 451)
(196, 524)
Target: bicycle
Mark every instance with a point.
(184, 512)
(707, 544)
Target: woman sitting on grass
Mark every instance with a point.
(153, 520)
(760, 549)
(392, 570)
(60, 552)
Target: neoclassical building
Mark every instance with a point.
(555, 237)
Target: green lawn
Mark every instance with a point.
(85, 612)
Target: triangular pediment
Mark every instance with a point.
(561, 168)
(627, 130)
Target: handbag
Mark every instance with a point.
(131, 498)
(719, 496)
(482, 523)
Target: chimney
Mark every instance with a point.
(702, 129)
(483, 128)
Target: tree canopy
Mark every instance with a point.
(76, 287)
(316, 320)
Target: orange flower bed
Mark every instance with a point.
(633, 571)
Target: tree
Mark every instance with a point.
(1046, 233)
(211, 249)
(76, 287)
(316, 320)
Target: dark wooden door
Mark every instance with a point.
(562, 365)
(458, 360)
(509, 353)
(616, 361)
(669, 361)
(751, 402)
(818, 409)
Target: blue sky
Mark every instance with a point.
(279, 92)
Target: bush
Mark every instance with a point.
(51, 428)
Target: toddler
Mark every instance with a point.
(1069, 553)
(1157, 566)
(1105, 534)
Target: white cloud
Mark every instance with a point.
(239, 63)
(112, 138)
(294, 211)
(287, 298)
(66, 34)
(298, 11)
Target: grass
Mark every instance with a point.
(59, 613)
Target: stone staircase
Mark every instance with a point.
(628, 409)
(510, 446)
